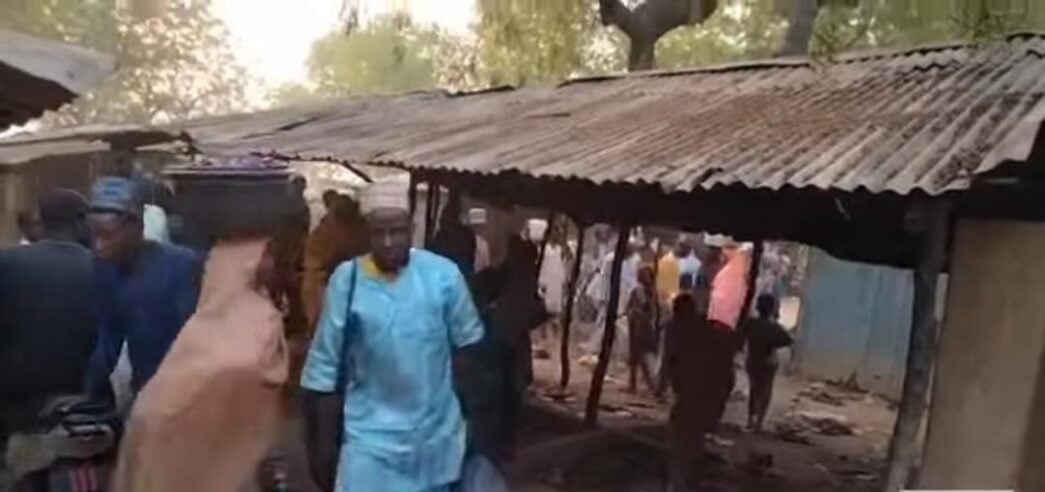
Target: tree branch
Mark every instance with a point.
(661, 16)
(649, 21)
(801, 21)
(614, 13)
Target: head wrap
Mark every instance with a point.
(476, 216)
(388, 193)
(719, 241)
(117, 195)
(536, 229)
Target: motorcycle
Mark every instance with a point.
(70, 447)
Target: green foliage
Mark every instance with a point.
(293, 94)
(515, 42)
(890, 23)
(737, 31)
(752, 29)
(88, 23)
(457, 64)
(523, 41)
(172, 66)
(520, 42)
(387, 56)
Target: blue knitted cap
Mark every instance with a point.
(120, 195)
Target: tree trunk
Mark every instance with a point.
(641, 53)
(567, 315)
(800, 26)
(647, 22)
(905, 448)
(591, 410)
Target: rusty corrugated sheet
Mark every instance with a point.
(925, 119)
(37, 75)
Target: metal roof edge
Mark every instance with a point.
(799, 61)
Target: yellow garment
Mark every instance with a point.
(212, 410)
(371, 269)
(668, 273)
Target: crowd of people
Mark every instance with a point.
(683, 304)
(411, 365)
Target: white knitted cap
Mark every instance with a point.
(388, 193)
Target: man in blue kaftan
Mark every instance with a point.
(404, 312)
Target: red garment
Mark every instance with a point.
(729, 289)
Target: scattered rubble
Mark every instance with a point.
(639, 404)
(823, 423)
(588, 361)
(559, 395)
(788, 431)
(616, 410)
(720, 442)
(799, 426)
(822, 393)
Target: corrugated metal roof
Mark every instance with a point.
(37, 75)
(925, 119)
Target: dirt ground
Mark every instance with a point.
(818, 436)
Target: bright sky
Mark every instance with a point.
(272, 38)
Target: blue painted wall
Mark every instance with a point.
(855, 322)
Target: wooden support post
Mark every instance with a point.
(933, 220)
(567, 314)
(437, 202)
(430, 212)
(544, 242)
(413, 196)
(591, 411)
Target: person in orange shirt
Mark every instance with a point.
(340, 236)
(668, 277)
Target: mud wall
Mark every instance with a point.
(986, 408)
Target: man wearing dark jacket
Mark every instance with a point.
(47, 330)
(146, 290)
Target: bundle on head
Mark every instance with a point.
(241, 197)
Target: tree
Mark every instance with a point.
(295, 94)
(801, 19)
(389, 55)
(746, 29)
(649, 21)
(174, 58)
(524, 41)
